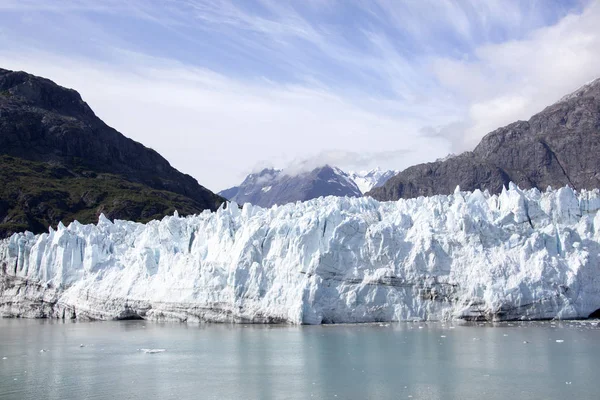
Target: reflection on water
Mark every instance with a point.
(422, 360)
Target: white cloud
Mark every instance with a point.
(513, 80)
(345, 160)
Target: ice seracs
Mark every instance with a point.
(519, 254)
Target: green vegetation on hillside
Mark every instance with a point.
(35, 195)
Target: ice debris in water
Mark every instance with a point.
(152, 351)
(471, 255)
(559, 340)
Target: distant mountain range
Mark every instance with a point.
(59, 162)
(556, 147)
(274, 186)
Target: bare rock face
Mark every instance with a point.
(58, 161)
(557, 147)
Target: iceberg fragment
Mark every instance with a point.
(153, 351)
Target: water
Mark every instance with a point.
(286, 362)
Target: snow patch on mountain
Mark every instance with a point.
(520, 254)
(345, 180)
(581, 91)
(367, 180)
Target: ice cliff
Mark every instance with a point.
(520, 254)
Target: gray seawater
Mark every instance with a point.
(387, 361)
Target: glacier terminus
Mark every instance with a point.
(522, 254)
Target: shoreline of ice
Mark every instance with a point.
(475, 256)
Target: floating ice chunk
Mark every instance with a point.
(559, 340)
(153, 351)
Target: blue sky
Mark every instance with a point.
(221, 88)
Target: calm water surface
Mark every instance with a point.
(397, 361)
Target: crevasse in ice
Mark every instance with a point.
(520, 254)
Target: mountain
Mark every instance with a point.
(474, 256)
(274, 186)
(367, 180)
(59, 162)
(557, 147)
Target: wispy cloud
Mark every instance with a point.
(213, 127)
(344, 159)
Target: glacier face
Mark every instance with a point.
(520, 254)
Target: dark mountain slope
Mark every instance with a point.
(559, 146)
(50, 137)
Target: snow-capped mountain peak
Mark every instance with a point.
(275, 186)
(279, 186)
(367, 180)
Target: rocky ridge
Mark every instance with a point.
(556, 147)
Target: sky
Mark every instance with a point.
(222, 88)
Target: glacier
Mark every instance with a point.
(522, 254)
